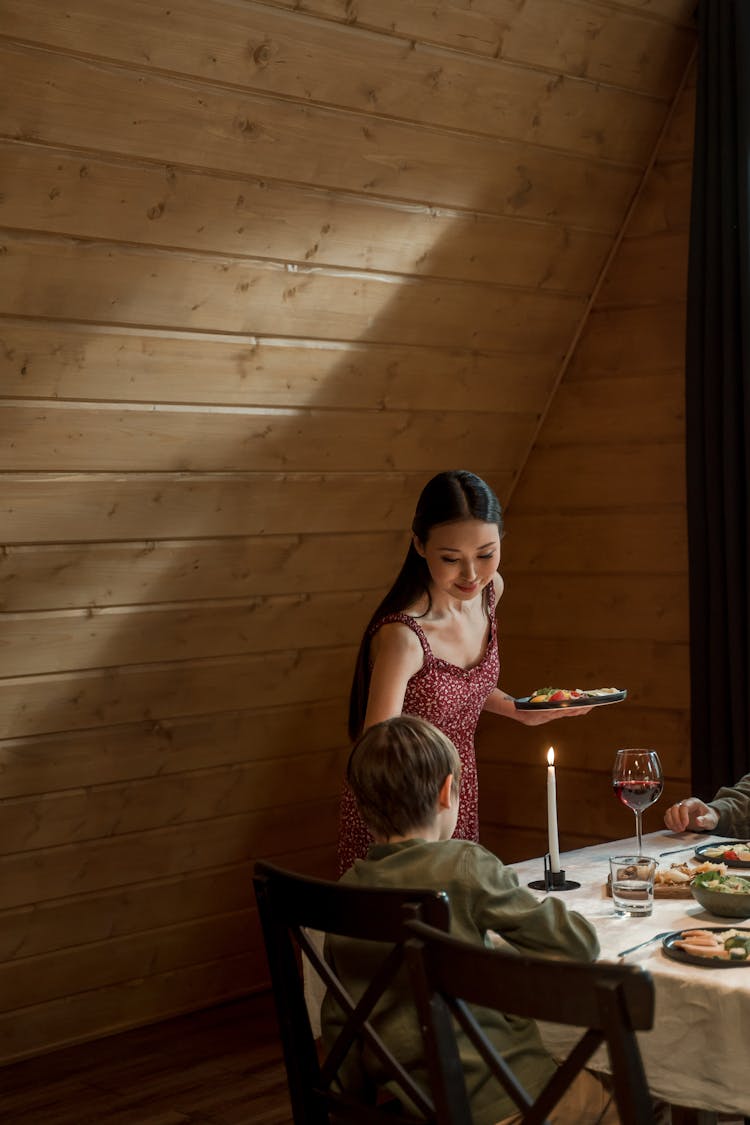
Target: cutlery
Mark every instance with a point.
(674, 851)
(643, 944)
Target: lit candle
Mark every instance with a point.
(554, 843)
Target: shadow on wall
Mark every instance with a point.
(203, 515)
(208, 465)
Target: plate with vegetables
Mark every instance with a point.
(550, 698)
(726, 895)
(710, 948)
(735, 853)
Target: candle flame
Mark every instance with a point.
(551, 756)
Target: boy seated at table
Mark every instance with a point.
(405, 775)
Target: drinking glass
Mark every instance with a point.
(637, 781)
(631, 879)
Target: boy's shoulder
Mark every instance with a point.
(470, 854)
(456, 847)
(434, 855)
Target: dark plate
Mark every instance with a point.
(701, 853)
(523, 704)
(705, 962)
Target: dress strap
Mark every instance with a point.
(411, 623)
(490, 588)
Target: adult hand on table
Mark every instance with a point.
(692, 813)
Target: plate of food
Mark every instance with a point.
(550, 698)
(711, 948)
(722, 894)
(677, 880)
(735, 853)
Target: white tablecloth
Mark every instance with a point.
(698, 1051)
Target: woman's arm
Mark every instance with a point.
(500, 703)
(397, 655)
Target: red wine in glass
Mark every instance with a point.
(637, 781)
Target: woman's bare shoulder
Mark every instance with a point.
(395, 639)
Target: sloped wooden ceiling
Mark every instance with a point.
(265, 268)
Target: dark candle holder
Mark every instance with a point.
(553, 880)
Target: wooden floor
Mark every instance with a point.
(219, 1067)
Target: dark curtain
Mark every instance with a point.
(718, 401)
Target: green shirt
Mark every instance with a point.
(733, 806)
(484, 895)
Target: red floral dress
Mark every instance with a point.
(452, 698)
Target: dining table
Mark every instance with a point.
(696, 1054)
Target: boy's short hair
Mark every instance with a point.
(396, 770)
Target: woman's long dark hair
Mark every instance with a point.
(448, 498)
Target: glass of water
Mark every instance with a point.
(632, 883)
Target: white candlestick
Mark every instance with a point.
(554, 843)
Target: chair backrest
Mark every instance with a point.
(610, 1001)
(290, 905)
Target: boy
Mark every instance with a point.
(405, 776)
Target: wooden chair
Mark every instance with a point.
(289, 905)
(610, 1001)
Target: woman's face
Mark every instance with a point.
(462, 557)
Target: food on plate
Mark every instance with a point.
(684, 873)
(737, 851)
(721, 945)
(560, 695)
(678, 873)
(554, 695)
(726, 884)
(675, 881)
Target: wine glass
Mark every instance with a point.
(637, 781)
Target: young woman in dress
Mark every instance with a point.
(430, 648)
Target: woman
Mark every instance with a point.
(430, 648)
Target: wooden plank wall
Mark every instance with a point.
(595, 557)
(266, 267)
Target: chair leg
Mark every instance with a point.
(682, 1115)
